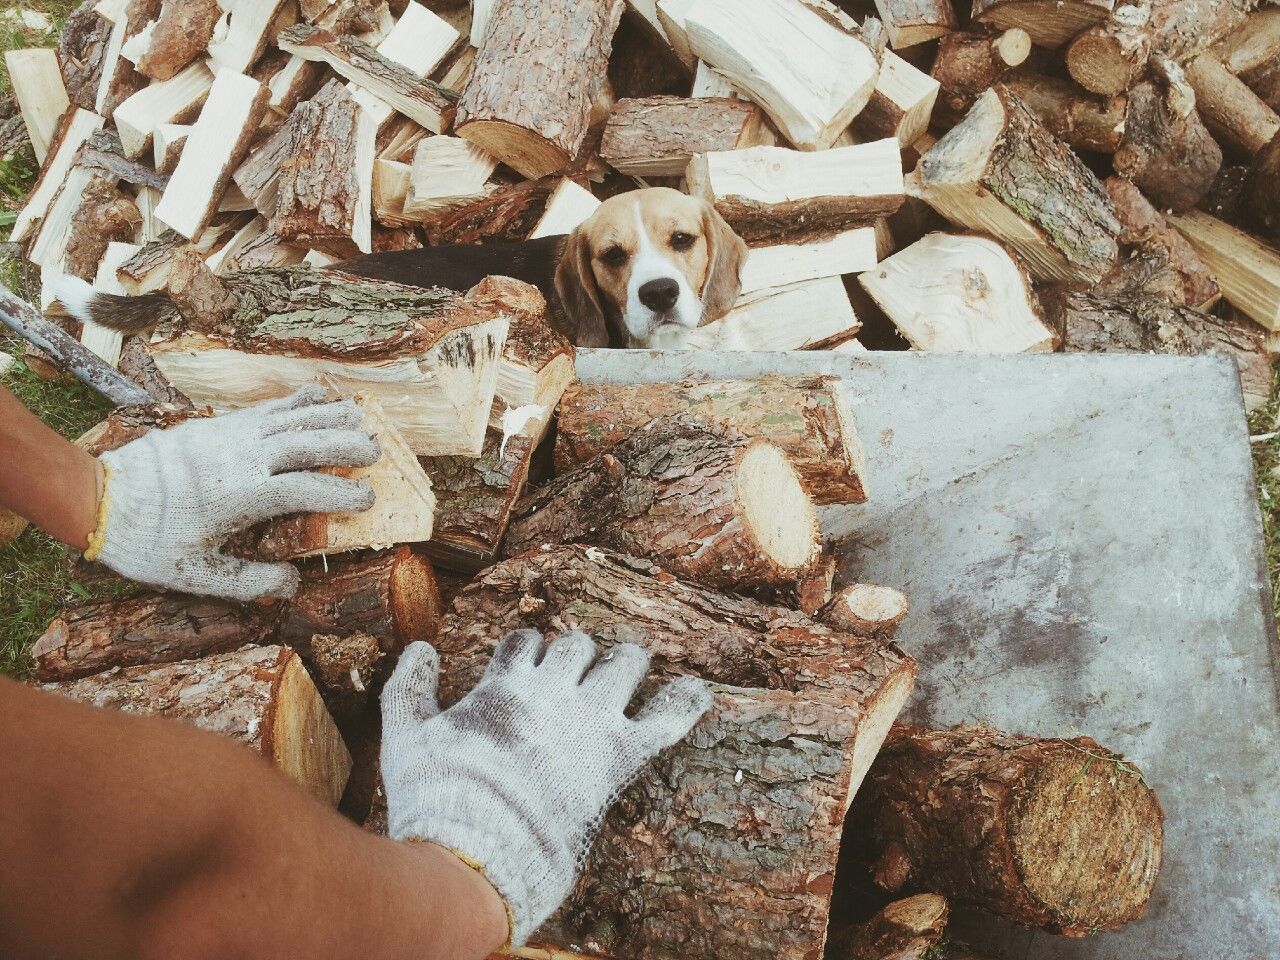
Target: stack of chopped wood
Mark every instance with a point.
(228, 151)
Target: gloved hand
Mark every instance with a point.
(516, 777)
(172, 497)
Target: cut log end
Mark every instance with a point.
(415, 598)
(305, 743)
(775, 507)
(1101, 876)
(523, 150)
(866, 610)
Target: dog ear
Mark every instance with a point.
(580, 294)
(726, 252)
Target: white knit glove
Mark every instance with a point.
(173, 497)
(517, 775)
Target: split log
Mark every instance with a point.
(258, 176)
(181, 34)
(1254, 43)
(297, 80)
(671, 18)
(82, 44)
(149, 268)
(346, 670)
(799, 712)
(1247, 270)
(1049, 23)
(865, 610)
(137, 365)
(808, 418)
(771, 193)
(966, 293)
(508, 213)
(243, 34)
(999, 171)
(49, 245)
(322, 198)
(709, 82)
(780, 264)
(1077, 119)
(699, 499)
(1096, 323)
(1061, 834)
(1110, 57)
(1262, 190)
(805, 63)
(1235, 114)
(175, 100)
(403, 510)
(105, 214)
(475, 498)
(901, 104)
(226, 259)
(423, 101)
(446, 171)
(568, 206)
(388, 192)
(103, 341)
(419, 42)
(218, 141)
(429, 357)
(908, 929)
(967, 64)
(259, 696)
(75, 127)
(1166, 150)
(167, 142)
(539, 68)
(119, 80)
(658, 136)
(816, 312)
(910, 22)
(1161, 262)
(42, 96)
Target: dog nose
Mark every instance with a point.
(660, 295)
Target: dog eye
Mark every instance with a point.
(615, 256)
(681, 240)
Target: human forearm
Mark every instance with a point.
(45, 478)
(144, 838)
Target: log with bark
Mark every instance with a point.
(81, 45)
(430, 357)
(1050, 23)
(865, 610)
(1262, 190)
(508, 213)
(1247, 270)
(71, 133)
(658, 136)
(808, 418)
(999, 171)
(968, 292)
(901, 104)
(799, 711)
(1238, 117)
(967, 64)
(772, 193)
(181, 34)
(699, 499)
(1077, 119)
(259, 696)
(529, 97)
(910, 22)
(805, 62)
(1060, 834)
(907, 929)
(1090, 322)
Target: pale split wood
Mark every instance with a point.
(242, 34)
(797, 316)
(1050, 23)
(780, 264)
(150, 228)
(901, 104)
(105, 342)
(166, 143)
(709, 82)
(671, 18)
(910, 22)
(419, 42)
(1247, 270)
(965, 293)
(261, 697)
(223, 260)
(445, 170)
(175, 100)
(389, 189)
(73, 130)
(809, 74)
(773, 192)
(568, 207)
(217, 144)
(36, 78)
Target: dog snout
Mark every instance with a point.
(660, 295)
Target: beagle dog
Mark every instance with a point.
(644, 270)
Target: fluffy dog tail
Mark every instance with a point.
(126, 314)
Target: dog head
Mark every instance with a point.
(648, 267)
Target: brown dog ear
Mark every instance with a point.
(580, 294)
(726, 252)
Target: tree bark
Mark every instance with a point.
(658, 136)
(726, 846)
(1077, 119)
(181, 34)
(967, 64)
(1060, 834)
(106, 213)
(866, 610)
(528, 100)
(910, 22)
(1050, 23)
(686, 495)
(806, 417)
(1094, 323)
(1235, 114)
(1000, 171)
(259, 696)
(1160, 261)
(904, 930)
(1262, 190)
(82, 44)
(509, 213)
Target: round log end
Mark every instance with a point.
(923, 913)
(1012, 47)
(305, 743)
(1087, 839)
(11, 526)
(1101, 64)
(866, 610)
(775, 508)
(415, 598)
(526, 152)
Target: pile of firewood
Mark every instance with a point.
(1025, 176)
